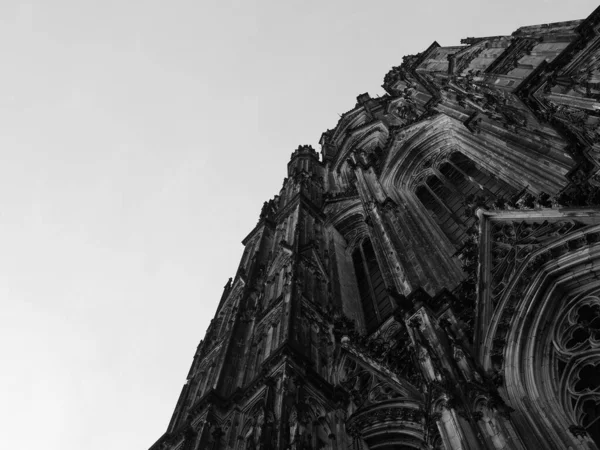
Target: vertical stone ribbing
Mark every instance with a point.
(286, 363)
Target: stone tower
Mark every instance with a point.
(431, 279)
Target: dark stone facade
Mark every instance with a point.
(431, 280)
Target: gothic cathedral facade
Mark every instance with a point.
(431, 278)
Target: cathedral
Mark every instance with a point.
(430, 279)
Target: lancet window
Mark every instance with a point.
(449, 184)
(375, 300)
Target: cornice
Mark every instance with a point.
(386, 413)
(334, 197)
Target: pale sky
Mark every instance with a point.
(138, 141)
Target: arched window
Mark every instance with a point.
(275, 341)
(549, 354)
(232, 435)
(269, 341)
(444, 191)
(206, 385)
(376, 303)
(577, 362)
(451, 224)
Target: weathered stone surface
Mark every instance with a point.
(430, 280)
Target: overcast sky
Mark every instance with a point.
(138, 141)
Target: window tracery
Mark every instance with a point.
(513, 242)
(576, 343)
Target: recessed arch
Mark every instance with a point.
(549, 370)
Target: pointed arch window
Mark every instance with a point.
(375, 300)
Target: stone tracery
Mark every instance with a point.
(424, 283)
(576, 345)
